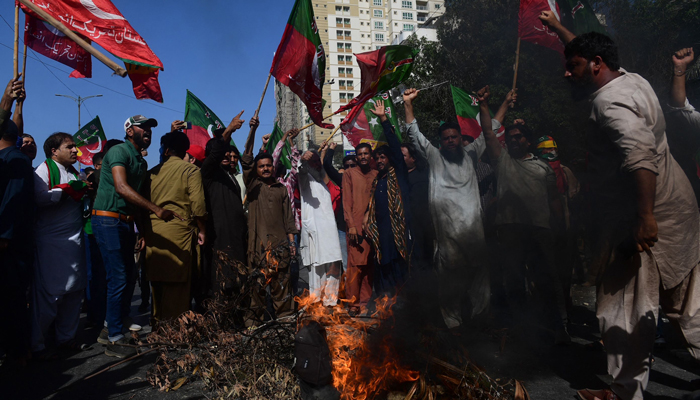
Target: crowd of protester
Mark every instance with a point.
(495, 221)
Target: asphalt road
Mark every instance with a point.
(547, 371)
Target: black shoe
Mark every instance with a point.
(117, 349)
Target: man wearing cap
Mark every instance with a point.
(118, 199)
(195, 155)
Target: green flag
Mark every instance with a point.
(579, 16)
(275, 138)
(89, 140)
(204, 121)
(367, 128)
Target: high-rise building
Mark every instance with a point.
(357, 26)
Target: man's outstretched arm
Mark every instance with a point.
(493, 147)
(550, 19)
(681, 60)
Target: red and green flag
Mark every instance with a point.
(204, 121)
(275, 138)
(89, 140)
(467, 110)
(367, 128)
(580, 17)
(531, 28)
(300, 61)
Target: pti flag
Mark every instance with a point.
(50, 42)
(531, 28)
(204, 121)
(580, 17)
(89, 140)
(366, 128)
(102, 23)
(275, 138)
(300, 61)
(467, 110)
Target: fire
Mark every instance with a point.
(359, 370)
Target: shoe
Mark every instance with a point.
(128, 322)
(117, 349)
(104, 337)
(562, 336)
(604, 394)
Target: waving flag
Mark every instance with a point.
(101, 22)
(300, 61)
(275, 138)
(204, 121)
(467, 110)
(89, 140)
(580, 17)
(531, 28)
(366, 128)
(50, 42)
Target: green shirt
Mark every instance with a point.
(123, 155)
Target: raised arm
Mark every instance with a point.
(493, 147)
(395, 154)
(18, 117)
(681, 60)
(550, 19)
(422, 144)
(254, 123)
(333, 173)
(510, 100)
(235, 124)
(8, 97)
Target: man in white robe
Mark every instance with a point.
(60, 273)
(319, 245)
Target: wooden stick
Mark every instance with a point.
(517, 62)
(263, 95)
(77, 39)
(24, 63)
(313, 123)
(331, 136)
(122, 361)
(15, 59)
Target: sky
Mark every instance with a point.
(220, 50)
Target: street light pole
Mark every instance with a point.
(79, 101)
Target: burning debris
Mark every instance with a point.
(365, 360)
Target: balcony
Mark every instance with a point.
(341, 74)
(348, 38)
(422, 8)
(341, 87)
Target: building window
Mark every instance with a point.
(338, 22)
(347, 35)
(349, 85)
(342, 97)
(378, 13)
(378, 25)
(338, 9)
(437, 6)
(346, 10)
(340, 47)
(377, 2)
(341, 85)
(348, 47)
(350, 96)
(377, 47)
(348, 59)
(408, 27)
(349, 72)
(408, 15)
(379, 37)
(341, 72)
(339, 34)
(406, 4)
(341, 59)
(347, 22)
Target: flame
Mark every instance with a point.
(359, 372)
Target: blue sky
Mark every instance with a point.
(219, 50)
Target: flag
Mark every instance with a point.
(300, 61)
(381, 70)
(580, 17)
(366, 128)
(101, 22)
(467, 110)
(531, 28)
(204, 121)
(50, 42)
(89, 140)
(275, 138)
(144, 80)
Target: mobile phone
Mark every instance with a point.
(188, 125)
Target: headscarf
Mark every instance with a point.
(552, 157)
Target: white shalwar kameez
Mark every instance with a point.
(319, 244)
(60, 273)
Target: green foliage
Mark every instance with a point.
(477, 43)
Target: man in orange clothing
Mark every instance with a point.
(357, 187)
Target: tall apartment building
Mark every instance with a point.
(357, 26)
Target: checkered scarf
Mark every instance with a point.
(398, 218)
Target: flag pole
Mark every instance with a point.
(263, 95)
(517, 62)
(331, 136)
(313, 123)
(24, 63)
(15, 58)
(71, 35)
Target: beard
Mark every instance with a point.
(138, 139)
(453, 156)
(584, 87)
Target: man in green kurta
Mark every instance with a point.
(171, 247)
